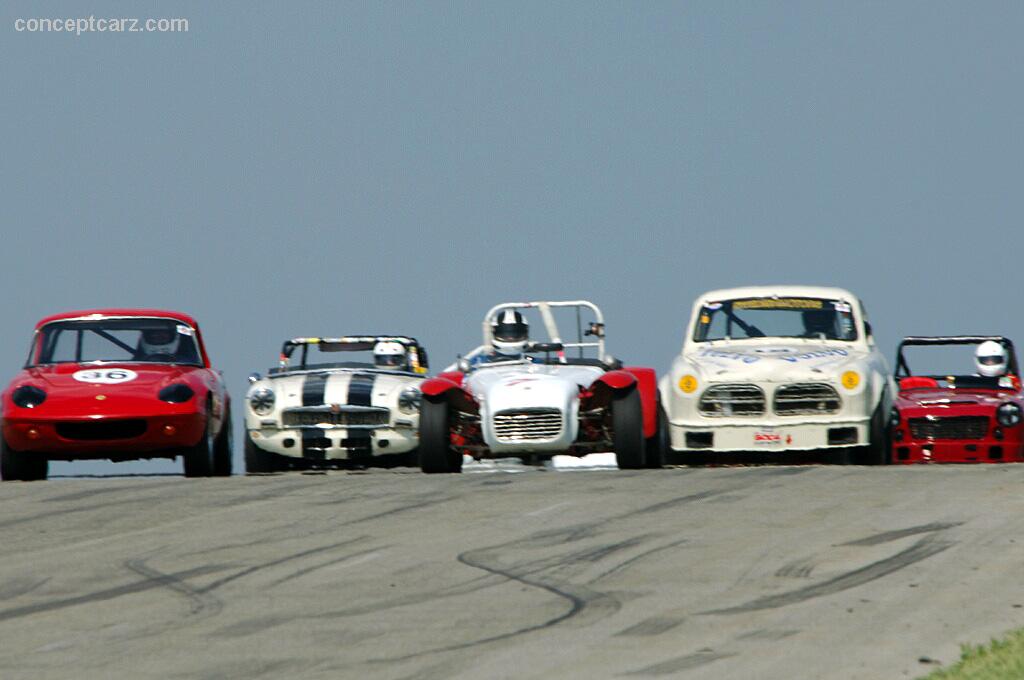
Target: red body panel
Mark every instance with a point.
(647, 383)
(996, 443)
(441, 384)
(72, 404)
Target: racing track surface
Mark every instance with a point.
(761, 572)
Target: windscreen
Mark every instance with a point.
(948, 365)
(385, 354)
(136, 340)
(776, 317)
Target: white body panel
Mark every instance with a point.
(768, 364)
(536, 388)
(397, 433)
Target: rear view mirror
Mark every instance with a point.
(596, 329)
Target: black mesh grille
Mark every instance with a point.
(102, 430)
(723, 401)
(955, 427)
(806, 399)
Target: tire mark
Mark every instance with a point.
(202, 602)
(921, 550)
(368, 554)
(767, 634)
(656, 625)
(797, 569)
(281, 560)
(89, 493)
(633, 560)
(20, 586)
(683, 663)
(888, 536)
(106, 594)
(673, 503)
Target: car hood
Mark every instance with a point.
(534, 386)
(781, 361)
(63, 377)
(944, 398)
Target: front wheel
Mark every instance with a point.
(198, 461)
(258, 461)
(628, 430)
(224, 447)
(22, 467)
(658, 444)
(879, 449)
(436, 454)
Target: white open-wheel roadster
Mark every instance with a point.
(561, 396)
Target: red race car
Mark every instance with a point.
(118, 384)
(959, 418)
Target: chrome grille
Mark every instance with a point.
(331, 419)
(720, 401)
(954, 427)
(806, 399)
(534, 424)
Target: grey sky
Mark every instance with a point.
(326, 168)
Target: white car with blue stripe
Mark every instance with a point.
(315, 410)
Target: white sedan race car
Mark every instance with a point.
(315, 411)
(780, 368)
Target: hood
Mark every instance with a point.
(535, 386)
(929, 398)
(342, 387)
(775, 362)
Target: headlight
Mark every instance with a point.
(28, 396)
(409, 400)
(894, 416)
(688, 384)
(261, 401)
(178, 393)
(1008, 414)
(850, 380)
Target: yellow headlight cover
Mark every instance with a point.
(850, 380)
(688, 384)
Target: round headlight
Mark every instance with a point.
(28, 396)
(409, 400)
(261, 401)
(688, 384)
(1008, 414)
(850, 379)
(178, 393)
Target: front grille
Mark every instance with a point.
(954, 427)
(327, 418)
(720, 401)
(102, 430)
(801, 399)
(533, 424)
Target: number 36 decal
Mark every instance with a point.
(105, 376)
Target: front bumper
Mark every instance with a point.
(160, 435)
(988, 450)
(771, 435)
(335, 443)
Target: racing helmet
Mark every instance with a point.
(991, 359)
(162, 341)
(510, 333)
(389, 354)
(819, 321)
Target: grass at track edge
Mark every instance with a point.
(1001, 659)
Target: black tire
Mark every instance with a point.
(224, 447)
(879, 450)
(258, 461)
(658, 445)
(16, 466)
(436, 454)
(628, 430)
(197, 461)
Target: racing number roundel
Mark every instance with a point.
(105, 376)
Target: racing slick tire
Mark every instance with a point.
(198, 460)
(657, 448)
(436, 454)
(258, 461)
(223, 448)
(627, 430)
(19, 467)
(878, 451)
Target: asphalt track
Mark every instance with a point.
(760, 572)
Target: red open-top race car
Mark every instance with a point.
(957, 418)
(121, 384)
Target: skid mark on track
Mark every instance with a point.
(656, 625)
(683, 663)
(106, 594)
(201, 602)
(642, 556)
(674, 503)
(248, 571)
(888, 536)
(797, 569)
(20, 586)
(355, 558)
(921, 550)
(767, 634)
(89, 493)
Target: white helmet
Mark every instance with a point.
(510, 333)
(159, 342)
(389, 354)
(991, 359)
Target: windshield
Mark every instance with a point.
(776, 317)
(145, 340)
(384, 354)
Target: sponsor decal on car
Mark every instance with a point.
(105, 376)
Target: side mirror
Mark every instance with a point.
(463, 365)
(867, 329)
(254, 377)
(596, 329)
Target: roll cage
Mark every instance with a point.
(903, 369)
(415, 353)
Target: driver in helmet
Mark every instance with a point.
(510, 336)
(991, 359)
(159, 344)
(819, 323)
(391, 355)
